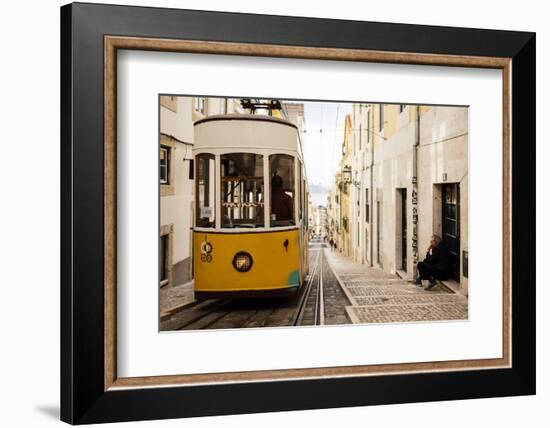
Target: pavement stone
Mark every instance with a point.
(380, 297)
(408, 313)
(172, 298)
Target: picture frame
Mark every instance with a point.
(91, 34)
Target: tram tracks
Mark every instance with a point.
(320, 302)
(314, 304)
(300, 312)
(311, 308)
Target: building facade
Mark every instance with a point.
(319, 221)
(406, 168)
(294, 112)
(344, 192)
(333, 215)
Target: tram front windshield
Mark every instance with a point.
(242, 190)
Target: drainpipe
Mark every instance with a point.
(414, 196)
(340, 234)
(371, 195)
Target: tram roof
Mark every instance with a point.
(246, 117)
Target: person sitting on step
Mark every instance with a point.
(436, 265)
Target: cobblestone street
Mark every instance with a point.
(174, 298)
(380, 297)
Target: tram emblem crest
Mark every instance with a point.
(206, 250)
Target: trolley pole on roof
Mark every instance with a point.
(261, 107)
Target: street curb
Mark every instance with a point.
(341, 283)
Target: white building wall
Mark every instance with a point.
(356, 186)
(177, 209)
(442, 158)
(178, 124)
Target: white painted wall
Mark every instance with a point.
(177, 209)
(435, 159)
(178, 124)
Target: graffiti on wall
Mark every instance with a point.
(414, 201)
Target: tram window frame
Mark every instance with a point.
(306, 206)
(252, 221)
(273, 222)
(209, 182)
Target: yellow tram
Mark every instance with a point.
(250, 235)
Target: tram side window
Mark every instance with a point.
(281, 173)
(300, 192)
(206, 181)
(306, 205)
(242, 190)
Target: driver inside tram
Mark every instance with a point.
(281, 202)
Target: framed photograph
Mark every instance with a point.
(266, 213)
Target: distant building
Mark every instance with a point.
(318, 220)
(333, 216)
(343, 191)
(321, 221)
(294, 113)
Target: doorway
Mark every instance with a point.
(451, 225)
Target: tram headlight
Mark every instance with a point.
(242, 261)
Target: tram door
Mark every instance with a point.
(451, 225)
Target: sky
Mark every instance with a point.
(322, 145)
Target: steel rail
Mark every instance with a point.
(297, 319)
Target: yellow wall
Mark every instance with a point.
(346, 188)
(391, 114)
(391, 111)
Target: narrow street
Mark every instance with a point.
(337, 291)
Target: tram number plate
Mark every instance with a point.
(206, 258)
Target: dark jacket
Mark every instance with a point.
(439, 259)
(281, 204)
